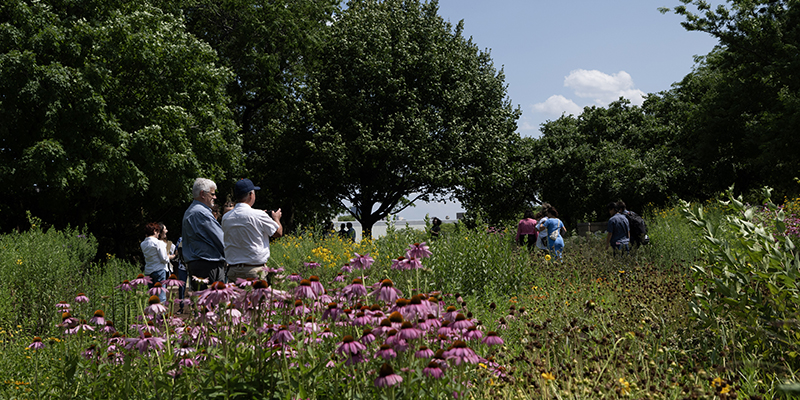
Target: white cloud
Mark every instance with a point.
(603, 88)
(555, 105)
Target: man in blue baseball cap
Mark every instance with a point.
(247, 232)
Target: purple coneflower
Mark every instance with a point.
(346, 269)
(416, 308)
(387, 377)
(311, 264)
(295, 277)
(361, 262)
(409, 332)
(386, 292)
(141, 280)
(261, 290)
(492, 339)
(362, 319)
(355, 289)
(155, 307)
(350, 346)
(332, 312)
(156, 290)
(299, 309)
(462, 322)
(326, 334)
(473, 333)
(217, 293)
(145, 341)
(316, 285)
(450, 314)
(37, 343)
(282, 335)
(99, 318)
(433, 370)
(173, 281)
(400, 264)
(109, 328)
(67, 320)
(125, 286)
(418, 250)
(367, 336)
(460, 352)
(445, 329)
(355, 359)
(63, 306)
(424, 352)
(183, 350)
(304, 291)
(386, 352)
(338, 278)
(81, 298)
(82, 326)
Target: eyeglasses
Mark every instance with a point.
(212, 194)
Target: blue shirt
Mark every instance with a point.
(619, 228)
(202, 234)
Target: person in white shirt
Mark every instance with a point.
(155, 256)
(247, 232)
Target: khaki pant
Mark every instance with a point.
(245, 271)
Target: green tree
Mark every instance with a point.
(409, 107)
(603, 155)
(744, 96)
(110, 109)
(271, 45)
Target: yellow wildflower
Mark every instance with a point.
(548, 376)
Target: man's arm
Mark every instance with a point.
(276, 216)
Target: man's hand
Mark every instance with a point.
(276, 215)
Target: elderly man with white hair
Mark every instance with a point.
(203, 246)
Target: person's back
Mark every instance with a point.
(618, 229)
(351, 232)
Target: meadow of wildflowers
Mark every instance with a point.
(469, 315)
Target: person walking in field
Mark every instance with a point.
(247, 233)
(203, 248)
(155, 257)
(526, 231)
(554, 229)
(619, 232)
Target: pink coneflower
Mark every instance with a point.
(416, 308)
(282, 335)
(473, 333)
(188, 362)
(63, 306)
(304, 290)
(37, 343)
(326, 334)
(245, 282)
(361, 262)
(173, 281)
(261, 290)
(125, 286)
(387, 377)
(299, 309)
(204, 281)
(316, 285)
(155, 307)
(432, 322)
(295, 277)
(146, 341)
(445, 329)
(492, 339)
(367, 337)
(418, 250)
(355, 359)
(109, 328)
(183, 350)
(400, 264)
(156, 290)
(386, 352)
(462, 322)
(82, 326)
(81, 298)
(424, 352)
(338, 278)
(409, 332)
(386, 292)
(460, 352)
(311, 264)
(362, 319)
(350, 346)
(355, 289)
(346, 269)
(141, 280)
(99, 318)
(67, 320)
(332, 312)
(413, 263)
(216, 293)
(433, 370)
(450, 314)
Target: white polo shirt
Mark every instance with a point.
(246, 235)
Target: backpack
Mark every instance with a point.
(638, 228)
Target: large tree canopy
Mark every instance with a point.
(407, 105)
(271, 46)
(110, 109)
(603, 155)
(740, 108)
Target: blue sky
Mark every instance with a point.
(560, 56)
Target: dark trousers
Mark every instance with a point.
(214, 271)
(529, 239)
